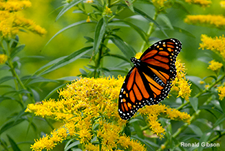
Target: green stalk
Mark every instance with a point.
(149, 32)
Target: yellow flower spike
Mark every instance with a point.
(181, 84)
(221, 91)
(222, 4)
(214, 65)
(203, 3)
(154, 111)
(3, 58)
(11, 22)
(214, 20)
(216, 44)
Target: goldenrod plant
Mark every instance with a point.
(80, 112)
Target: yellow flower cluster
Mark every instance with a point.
(203, 3)
(89, 1)
(221, 91)
(159, 3)
(10, 20)
(180, 83)
(216, 44)
(3, 58)
(88, 20)
(138, 55)
(222, 4)
(83, 104)
(88, 109)
(107, 11)
(214, 20)
(214, 65)
(14, 5)
(154, 111)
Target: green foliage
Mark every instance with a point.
(112, 20)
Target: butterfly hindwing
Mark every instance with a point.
(149, 81)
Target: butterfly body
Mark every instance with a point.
(149, 81)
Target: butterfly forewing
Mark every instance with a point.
(149, 81)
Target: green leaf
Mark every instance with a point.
(150, 19)
(222, 105)
(196, 129)
(17, 50)
(130, 5)
(69, 59)
(194, 103)
(67, 27)
(13, 144)
(126, 49)
(136, 28)
(220, 120)
(183, 31)
(166, 20)
(6, 78)
(118, 56)
(204, 138)
(70, 145)
(39, 80)
(10, 124)
(99, 33)
(47, 65)
(67, 6)
(35, 95)
(69, 78)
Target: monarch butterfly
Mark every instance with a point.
(149, 81)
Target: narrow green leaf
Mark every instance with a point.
(183, 31)
(9, 125)
(204, 138)
(166, 20)
(69, 59)
(222, 105)
(69, 78)
(17, 50)
(118, 56)
(150, 19)
(130, 5)
(35, 95)
(6, 78)
(70, 145)
(196, 129)
(126, 49)
(67, 6)
(13, 144)
(194, 103)
(99, 33)
(67, 27)
(136, 28)
(5, 46)
(40, 79)
(47, 65)
(219, 120)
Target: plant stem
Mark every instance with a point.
(149, 32)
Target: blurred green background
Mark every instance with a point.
(44, 13)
